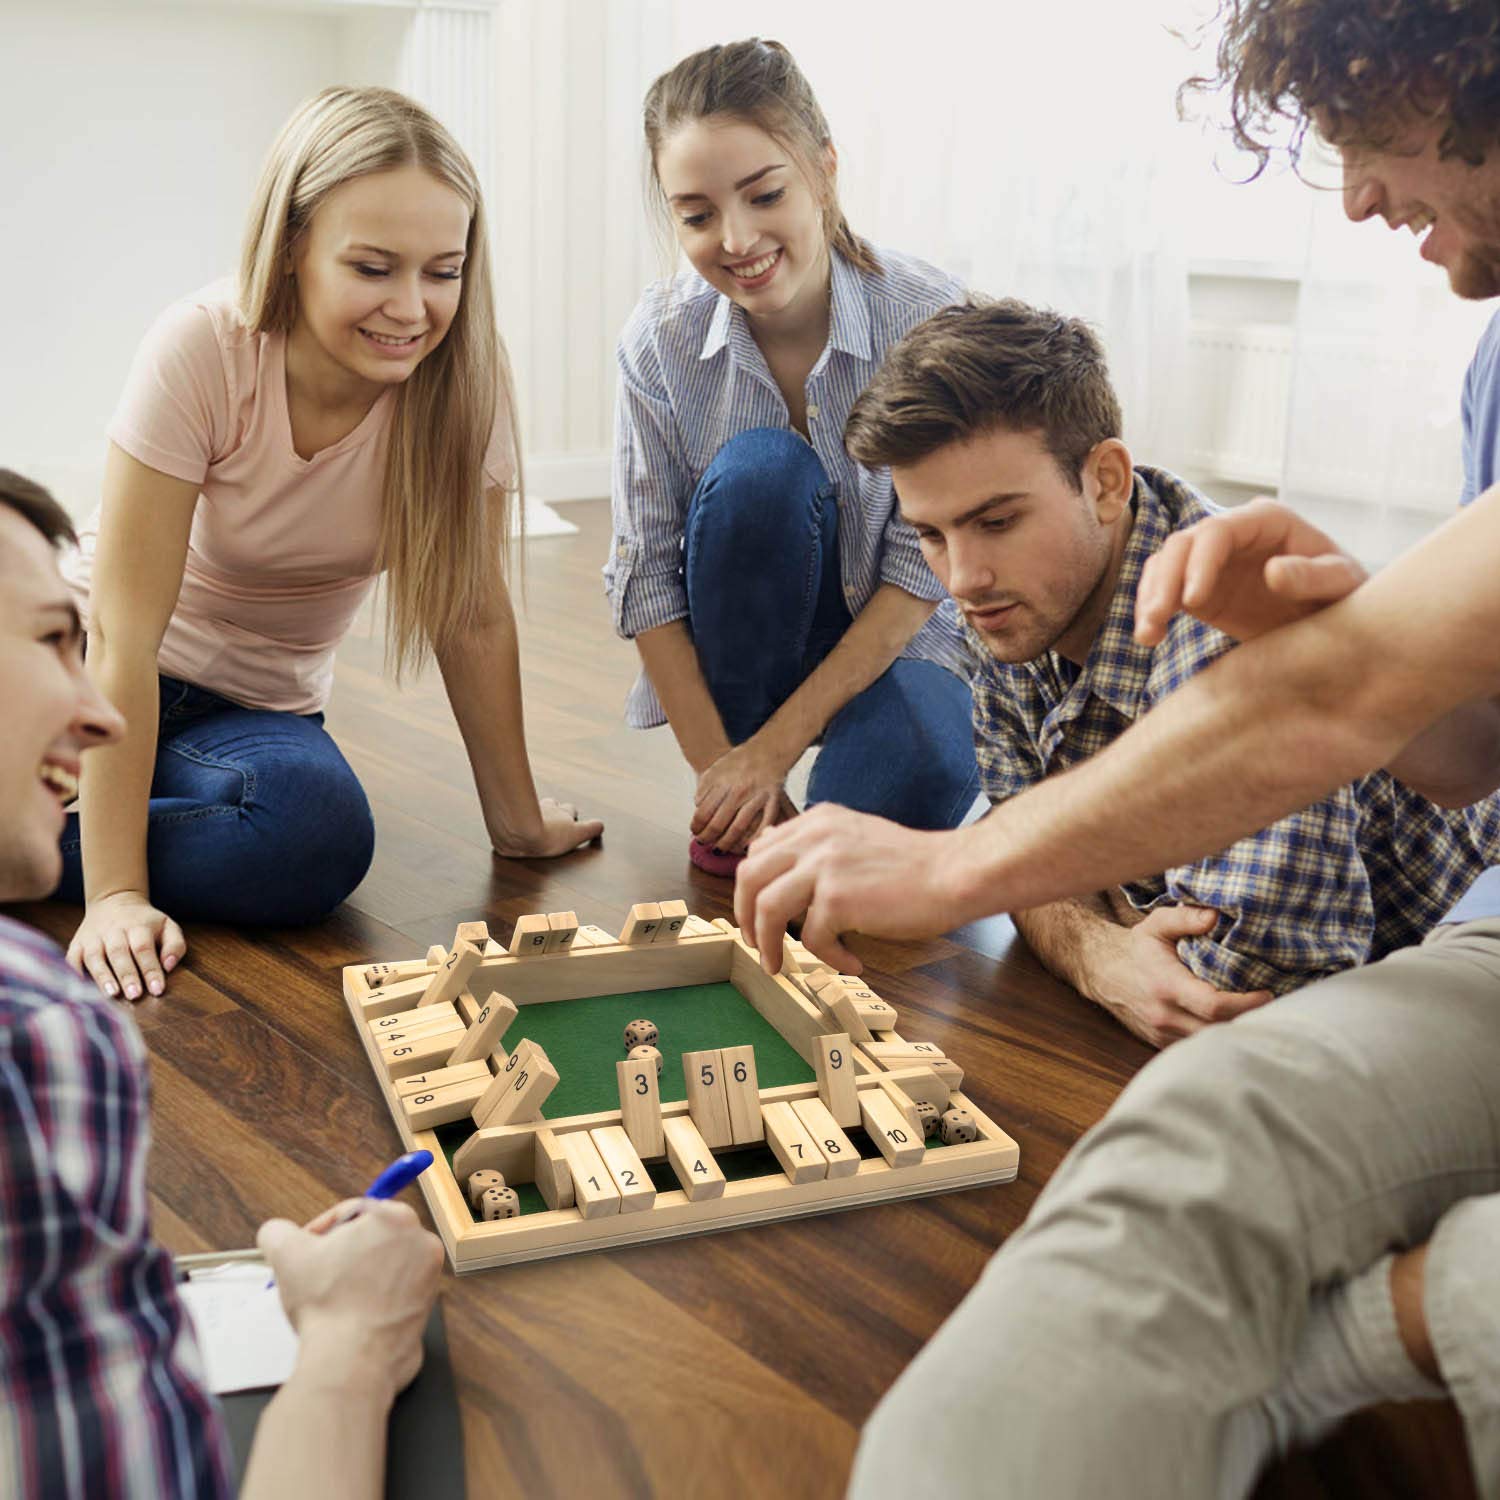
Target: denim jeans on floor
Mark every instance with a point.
(255, 816)
(766, 605)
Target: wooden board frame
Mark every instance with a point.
(699, 956)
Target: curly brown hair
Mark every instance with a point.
(1366, 69)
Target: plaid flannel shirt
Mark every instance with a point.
(101, 1384)
(1366, 870)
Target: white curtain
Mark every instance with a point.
(1373, 439)
(1029, 149)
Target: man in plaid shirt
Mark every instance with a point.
(101, 1385)
(1004, 431)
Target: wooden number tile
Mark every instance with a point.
(837, 1148)
(904, 1102)
(594, 1190)
(920, 1084)
(627, 1169)
(642, 924)
(640, 1104)
(554, 1177)
(820, 979)
(841, 1008)
(946, 1069)
(590, 935)
(485, 1034)
(876, 1014)
(477, 933)
(745, 1124)
(800, 1155)
(562, 931)
(433, 1016)
(440, 1078)
(452, 975)
(674, 916)
(691, 1160)
(890, 1129)
(833, 1063)
(434, 1107)
(445, 1024)
(530, 936)
(698, 927)
(894, 1054)
(417, 1055)
(708, 1100)
(519, 1089)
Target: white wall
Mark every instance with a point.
(130, 137)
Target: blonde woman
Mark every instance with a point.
(345, 412)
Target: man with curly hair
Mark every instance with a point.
(1297, 1214)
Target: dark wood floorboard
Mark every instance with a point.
(733, 1364)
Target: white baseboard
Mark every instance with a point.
(567, 476)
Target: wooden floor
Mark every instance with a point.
(735, 1364)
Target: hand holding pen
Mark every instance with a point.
(400, 1174)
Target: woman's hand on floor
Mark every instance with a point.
(740, 793)
(126, 946)
(560, 831)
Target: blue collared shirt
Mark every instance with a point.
(1367, 869)
(692, 377)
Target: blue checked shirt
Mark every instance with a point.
(691, 377)
(1369, 869)
(101, 1385)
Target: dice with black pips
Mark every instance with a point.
(641, 1034)
(957, 1127)
(641, 1053)
(930, 1116)
(481, 1182)
(499, 1203)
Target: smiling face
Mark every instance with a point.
(747, 216)
(53, 711)
(1030, 560)
(379, 274)
(1453, 207)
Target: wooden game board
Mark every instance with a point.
(670, 1167)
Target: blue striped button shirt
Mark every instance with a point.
(692, 377)
(101, 1384)
(1365, 870)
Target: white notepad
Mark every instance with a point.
(247, 1343)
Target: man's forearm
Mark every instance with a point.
(1267, 729)
(1065, 935)
(1457, 760)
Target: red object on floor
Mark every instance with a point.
(713, 861)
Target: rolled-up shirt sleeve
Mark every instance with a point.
(650, 488)
(902, 563)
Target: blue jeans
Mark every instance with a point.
(255, 817)
(766, 605)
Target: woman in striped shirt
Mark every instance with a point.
(776, 597)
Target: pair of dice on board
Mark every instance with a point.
(641, 1038)
(955, 1126)
(489, 1194)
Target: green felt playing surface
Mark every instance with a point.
(584, 1039)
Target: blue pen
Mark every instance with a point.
(401, 1172)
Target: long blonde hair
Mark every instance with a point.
(438, 534)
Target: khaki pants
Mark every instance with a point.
(1165, 1273)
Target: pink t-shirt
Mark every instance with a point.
(282, 549)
